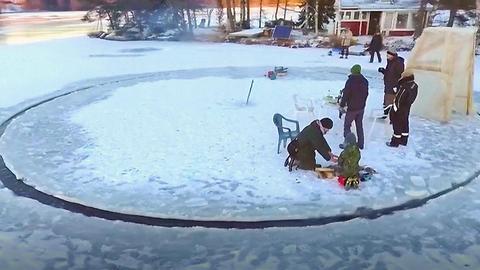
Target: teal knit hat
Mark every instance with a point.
(356, 69)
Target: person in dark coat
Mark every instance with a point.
(375, 46)
(354, 98)
(400, 112)
(391, 74)
(312, 139)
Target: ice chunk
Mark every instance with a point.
(418, 181)
(416, 193)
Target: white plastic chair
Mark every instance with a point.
(375, 115)
(303, 107)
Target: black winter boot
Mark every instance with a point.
(404, 140)
(394, 142)
(390, 144)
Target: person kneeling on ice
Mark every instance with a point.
(404, 98)
(312, 139)
(348, 163)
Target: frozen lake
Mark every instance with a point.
(118, 144)
(18, 28)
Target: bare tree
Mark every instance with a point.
(276, 10)
(189, 18)
(230, 18)
(183, 24)
(219, 13)
(285, 10)
(260, 16)
(478, 12)
(209, 16)
(451, 18)
(248, 13)
(478, 21)
(307, 7)
(234, 10)
(478, 15)
(242, 11)
(245, 14)
(194, 11)
(454, 6)
(420, 18)
(316, 17)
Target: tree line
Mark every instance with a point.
(235, 14)
(182, 14)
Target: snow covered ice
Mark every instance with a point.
(160, 134)
(186, 141)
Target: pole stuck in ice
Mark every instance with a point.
(250, 91)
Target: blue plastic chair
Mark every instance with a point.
(285, 133)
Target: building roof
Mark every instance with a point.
(380, 4)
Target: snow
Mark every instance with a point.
(98, 58)
(441, 17)
(247, 33)
(217, 158)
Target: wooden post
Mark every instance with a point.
(249, 91)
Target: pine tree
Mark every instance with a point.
(326, 11)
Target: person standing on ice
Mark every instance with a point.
(345, 41)
(391, 74)
(312, 139)
(354, 98)
(375, 46)
(400, 112)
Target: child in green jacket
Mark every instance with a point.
(348, 162)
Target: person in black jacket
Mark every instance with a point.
(375, 46)
(391, 74)
(354, 97)
(406, 95)
(311, 139)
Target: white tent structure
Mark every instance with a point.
(443, 63)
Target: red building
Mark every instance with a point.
(391, 17)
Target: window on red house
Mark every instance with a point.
(348, 15)
(402, 21)
(387, 23)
